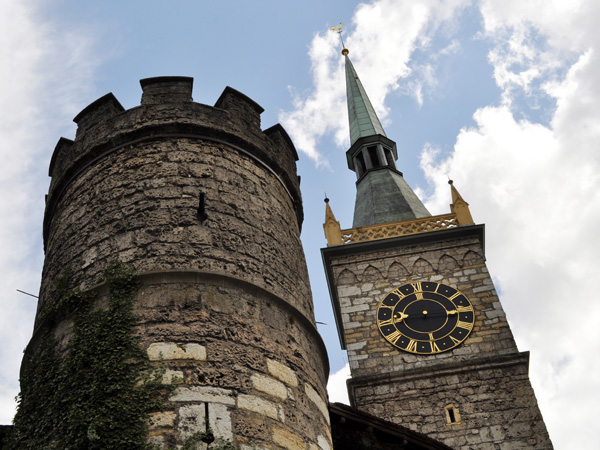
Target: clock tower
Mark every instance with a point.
(428, 342)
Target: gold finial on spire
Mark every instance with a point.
(460, 207)
(338, 29)
(333, 231)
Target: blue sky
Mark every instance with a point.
(500, 96)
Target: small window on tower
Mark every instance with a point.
(452, 414)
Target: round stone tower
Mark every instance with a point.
(206, 207)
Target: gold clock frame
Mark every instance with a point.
(464, 312)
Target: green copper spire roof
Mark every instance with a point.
(382, 194)
(361, 115)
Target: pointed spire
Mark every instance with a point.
(333, 231)
(382, 195)
(460, 207)
(361, 114)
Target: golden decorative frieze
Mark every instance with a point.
(394, 229)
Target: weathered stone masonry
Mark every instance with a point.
(206, 207)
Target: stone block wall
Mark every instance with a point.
(493, 404)
(139, 204)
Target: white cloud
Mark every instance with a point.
(383, 36)
(42, 72)
(538, 189)
(536, 40)
(336, 386)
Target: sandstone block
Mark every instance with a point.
(219, 419)
(191, 420)
(324, 443)
(318, 401)
(172, 376)
(356, 308)
(159, 351)
(282, 372)
(258, 405)
(494, 314)
(483, 289)
(269, 385)
(253, 446)
(288, 440)
(162, 419)
(347, 291)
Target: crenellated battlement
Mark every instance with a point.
(168, 111)
(159, 90)
(96, 112)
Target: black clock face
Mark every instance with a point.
(425, 317)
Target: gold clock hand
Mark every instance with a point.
(452, 312)
(401, 318)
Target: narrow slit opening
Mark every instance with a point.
(452, 415)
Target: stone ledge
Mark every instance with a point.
(204, 394)
(476, 365)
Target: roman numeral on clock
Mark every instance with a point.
(383, 323)
(412, 346)
(455, 295)
(398, 293)
(465, 325)
(393, 337)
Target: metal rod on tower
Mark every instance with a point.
(27, 293)
(339, 31)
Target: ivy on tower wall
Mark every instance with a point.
(97, 392)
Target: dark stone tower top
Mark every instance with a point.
(108, 135)
(167, 109)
